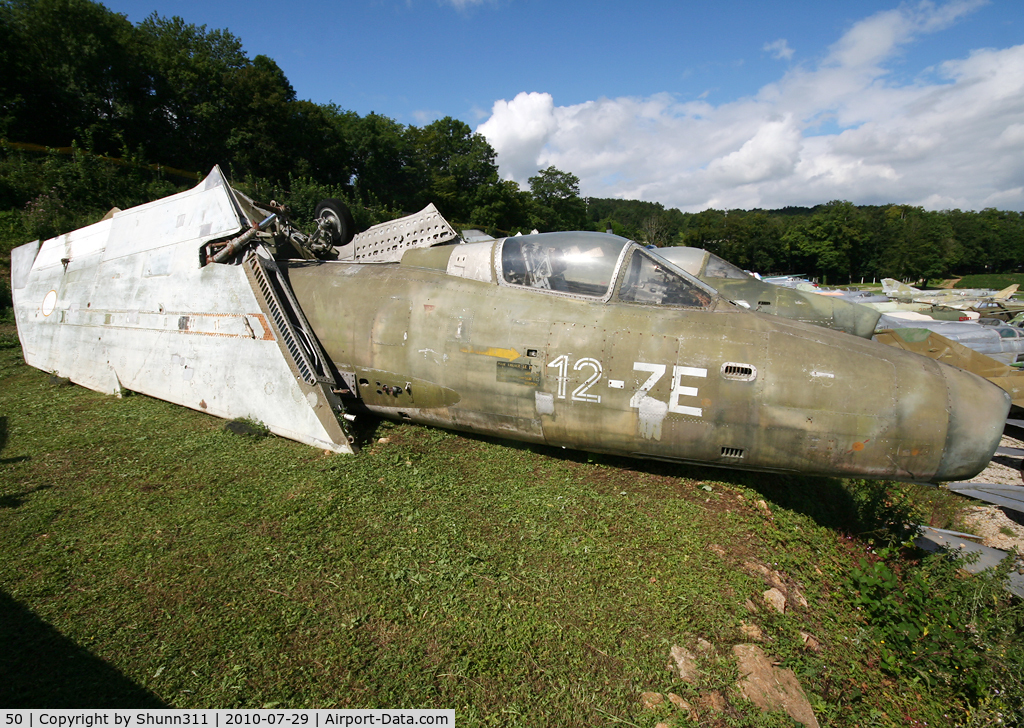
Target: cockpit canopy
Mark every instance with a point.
(702, 264)
(586, 264)
(590, 265)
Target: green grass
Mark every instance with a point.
(149, 557)
(996, 281)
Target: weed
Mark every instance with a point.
(940, 626)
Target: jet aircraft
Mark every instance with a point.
(963, 299)
(580, 340)
(744, 289)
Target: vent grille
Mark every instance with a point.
(739, 372)
(283, 325)
(732, 452)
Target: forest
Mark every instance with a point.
(96, 111)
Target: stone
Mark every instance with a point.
(776, 599)
(771, 688)
(679, 702)
(798, 597)
(756, 568)
(683, 662)
(650, 701)
(751, 632)
(712, 701)
(751, 607)
(810, 642)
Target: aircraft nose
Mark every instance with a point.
(977, 413)
(854, 318)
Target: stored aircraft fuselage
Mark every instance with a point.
(588, 341)
(581, 340)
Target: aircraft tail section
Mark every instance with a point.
(1007, 293)
(892, 287)
(127, 304)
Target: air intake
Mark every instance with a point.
(739, 372)
(732, 452)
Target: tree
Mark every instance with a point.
(194, 94)
(557, 203)
(825, 242)
(384, 162)
(654, 230)
(71, 70)
(918, 243)
(457, 165)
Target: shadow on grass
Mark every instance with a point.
(856, 507)
(3, 444)
(41, 668)
(14, 500)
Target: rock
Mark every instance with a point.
(383, 441)
(798, 597)
(751, 607)
(755, 568)
(712, 701)
(810, 642)
(763, 507)
(704, 646)
(683, 662)
(771, 688)
(650, 701)
(776, 599)
(679, 702)
(751, 632)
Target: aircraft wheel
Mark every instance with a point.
(341, 227)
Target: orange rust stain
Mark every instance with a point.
(268, 333)
(858, 446)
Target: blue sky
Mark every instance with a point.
(731, 103)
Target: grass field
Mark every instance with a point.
(149, 557)
(996, 281)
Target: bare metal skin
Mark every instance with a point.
(636, 359)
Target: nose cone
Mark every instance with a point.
(977, 413)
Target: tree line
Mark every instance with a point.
(119, 97)
(163, 90)
(838, 241)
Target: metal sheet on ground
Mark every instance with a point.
(1010, 496)
(934, 539)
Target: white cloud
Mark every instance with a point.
(779, 49)
(953, 138)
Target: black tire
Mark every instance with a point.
(342, 229)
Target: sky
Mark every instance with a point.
(725, 104)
